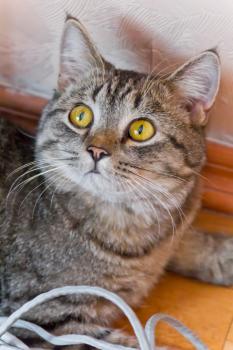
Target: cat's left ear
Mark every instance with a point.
(197, 83)
(78, 54)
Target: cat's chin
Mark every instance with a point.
(92, 184)
(95, 184)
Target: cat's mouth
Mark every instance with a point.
(93, 171)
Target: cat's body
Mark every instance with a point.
(121, 233)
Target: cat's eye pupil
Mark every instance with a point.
(140, 129)
(81, 116)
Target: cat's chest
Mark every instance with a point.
(56, 239)
(60, 238)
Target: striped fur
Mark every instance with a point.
(118, 229)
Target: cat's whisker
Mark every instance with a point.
(167, 195)
(170, 199)
(38, 165)
(28, 194)
(152, 77)
(149, 203)
(130, 189)
(25, 182)
(35, 168)
(20, 168)
(117, 183)
(35, 188)
(35, 162)
(161, 203)
(41, 165)
(147, 80)
(155, 172)
(202, 177)
(41, 194)
(173, 201)
(125, 182)
(167, 70)
(113, 177)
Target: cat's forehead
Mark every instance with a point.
(118, 92)
(118, 88)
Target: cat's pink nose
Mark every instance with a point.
(97, 153)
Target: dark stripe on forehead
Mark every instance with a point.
(118, 85)
(180, 146)
(125, 93)
(109, 86)
(113, 88)
(96, 91)
(138, 100)
(129, 85)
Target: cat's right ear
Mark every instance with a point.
(78, 54)
(197, 83)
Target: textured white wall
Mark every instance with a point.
(142, 34)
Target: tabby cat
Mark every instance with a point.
(107, 194)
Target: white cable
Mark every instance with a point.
(146, 338)
(139, 331)
(152, 323)
(9, 340)
(69, 339)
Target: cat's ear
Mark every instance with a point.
(197, 83)
(78, 53)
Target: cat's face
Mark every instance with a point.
(122, 135)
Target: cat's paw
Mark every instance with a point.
(219, 265)
(224, 265)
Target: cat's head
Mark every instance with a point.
(120, 135)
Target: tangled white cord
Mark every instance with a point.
(146, 337)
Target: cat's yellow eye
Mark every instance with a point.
(81, 116)
(141, 130)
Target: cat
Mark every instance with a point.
(107, 194)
